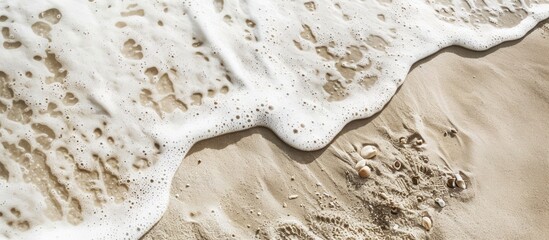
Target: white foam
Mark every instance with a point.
(136, 69)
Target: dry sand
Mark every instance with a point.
(238, 185)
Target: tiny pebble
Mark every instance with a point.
(440, 202)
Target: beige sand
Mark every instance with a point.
(238, 185)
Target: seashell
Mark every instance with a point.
(440, 202)
(427, 223)
(360, 164)
(368, 152)
(418, 142)
(365, 172)
(402, 140)
(451, 183)
(460, 182)
(397, 165)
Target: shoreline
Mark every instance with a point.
(428, 117)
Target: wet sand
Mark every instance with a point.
(250, 184)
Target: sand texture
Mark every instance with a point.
(480, 114)
(104, 103)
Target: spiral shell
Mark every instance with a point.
(427, 223)
(397, 165)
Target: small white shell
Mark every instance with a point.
(365, 172)
(292, 197)
(368, 152)
(360, 164)
(427, 223)
(440, 202)
(460, 182)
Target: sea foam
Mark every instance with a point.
(101, 100)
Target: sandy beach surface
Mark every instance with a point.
(480, 114)
(274, 119)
